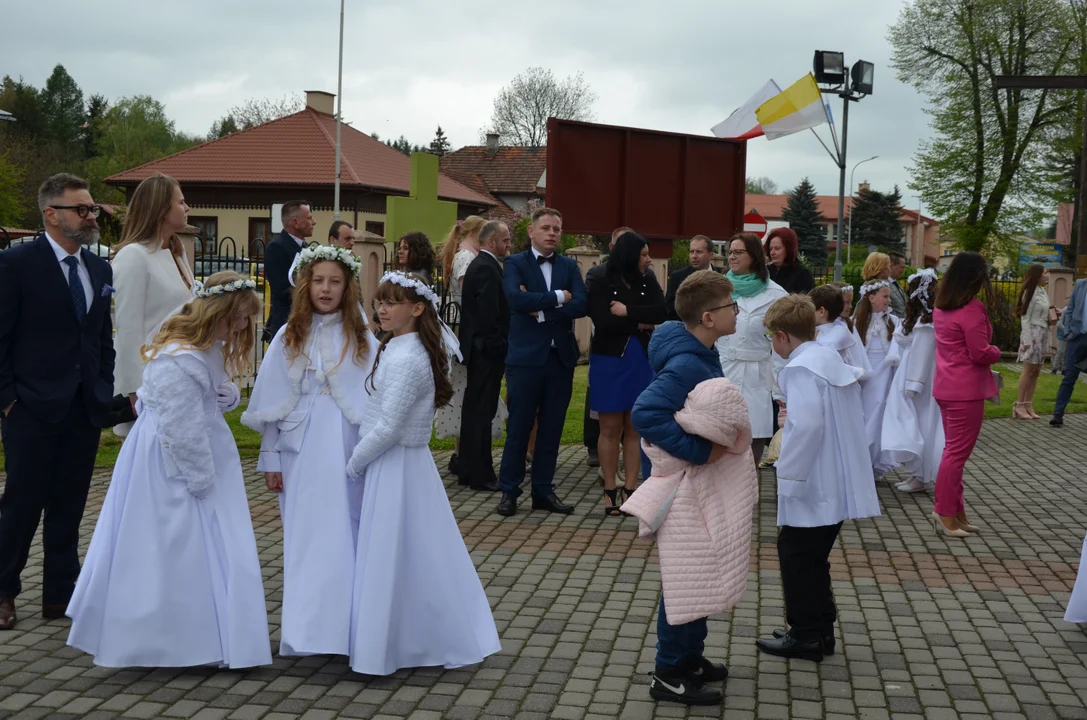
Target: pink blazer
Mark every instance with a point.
(964, 353)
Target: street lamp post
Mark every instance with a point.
(829, 69)
(849, 232)
(339, 119)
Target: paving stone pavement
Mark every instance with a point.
(929, 627)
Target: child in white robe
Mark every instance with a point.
(874, 328)
(418, 600)
(172, 577)
(308, 403)
(913, 431)
(834, 332)
(1076, 611)
(824, 476)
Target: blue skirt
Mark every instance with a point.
(616, 382)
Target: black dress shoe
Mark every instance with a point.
(593, 459)
(454, 464)
(507, 506)
(1057, 421)
(828, 640)
(788, 646)
(53, 611)
(705, 671)
(680, 687)
(551, 503)
(488, 485)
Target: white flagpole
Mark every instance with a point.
(339, 119)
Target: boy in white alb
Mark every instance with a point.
(824, 475)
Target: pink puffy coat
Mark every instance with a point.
(701, 514)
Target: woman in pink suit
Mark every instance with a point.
(963, 381)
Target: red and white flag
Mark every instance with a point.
(742, 123)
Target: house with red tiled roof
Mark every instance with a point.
(231, 184)
(512, 176)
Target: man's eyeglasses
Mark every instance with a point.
(81, 210)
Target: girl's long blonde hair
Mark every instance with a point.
(199, 320)
(463, 229)
(301, 317)
(143, 221)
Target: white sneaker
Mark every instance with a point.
(912, 485)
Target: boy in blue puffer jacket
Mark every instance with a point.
(682, 355)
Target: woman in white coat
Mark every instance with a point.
(152, 275)
(746, 355)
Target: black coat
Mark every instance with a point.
(795, 279)
(278, 257)
(674, 281)
(46, 356)
(484, 312)
(645, 304)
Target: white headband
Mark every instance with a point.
(927, 276)
(873, 286)
(318, 253)
(405, 280)
(204, 292)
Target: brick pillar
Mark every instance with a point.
(586, 259)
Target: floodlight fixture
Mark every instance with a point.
(829, 67)
(862, 75)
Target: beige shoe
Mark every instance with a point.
(938, 525)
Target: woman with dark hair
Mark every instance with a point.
(1035, 315)
(785, 267)
(963, 381)
(415, 254)
(624, 305)
(746, 356)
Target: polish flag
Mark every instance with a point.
(742, 123)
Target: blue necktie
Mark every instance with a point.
(75, 285)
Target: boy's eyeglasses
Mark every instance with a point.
(733, 305)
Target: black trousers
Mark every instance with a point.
(49, 467)
(536, 395)
(590, 434)
(477, 413)
(803, 555)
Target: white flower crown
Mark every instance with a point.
(874, 286)
(204, 292)
(421, 289)
(317, 253)
(928, 276)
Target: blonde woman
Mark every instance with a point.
(151, 273)
(877, 266)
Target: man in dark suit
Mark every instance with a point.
(546, 294)
(298, 225)
(701, 257)
(56, 385)
(484, 340)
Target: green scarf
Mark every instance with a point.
(748, 285)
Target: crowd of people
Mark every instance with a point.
(687, 386)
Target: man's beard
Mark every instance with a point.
(84, 233)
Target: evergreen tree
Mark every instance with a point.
(802, 214)
(93, 127)
(877, 220)
(62, 107)
(440, 144)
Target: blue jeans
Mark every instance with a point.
(1075, 351)
(677, 643)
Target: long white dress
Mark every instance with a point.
(837, 336)
(418, 600)
(824, 474)
(1077, 604)
(913, 430)
(746, 358)
(308, 411)
(172, 577)
(877, 384)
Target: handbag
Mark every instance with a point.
(120, 411)
(999, 379)
(1053, 315)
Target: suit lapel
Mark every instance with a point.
(97, 281)
(535, 272)
(53, 274)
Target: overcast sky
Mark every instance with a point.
(410, 65)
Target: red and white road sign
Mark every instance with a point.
(755, 223)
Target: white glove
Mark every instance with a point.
(229, 396)
(199, 488)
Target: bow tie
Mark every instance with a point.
(540, 259)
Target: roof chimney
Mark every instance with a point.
(863, 186)
(320, 101)
(492, 143)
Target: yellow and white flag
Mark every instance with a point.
(798, 107)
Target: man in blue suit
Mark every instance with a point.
(56, 385)
(546, 294)
(1074, 318)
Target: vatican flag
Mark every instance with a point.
(798, 108)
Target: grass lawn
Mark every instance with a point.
(249, 441)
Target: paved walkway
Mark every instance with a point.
(929, 627)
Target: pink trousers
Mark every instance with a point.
(962, 425)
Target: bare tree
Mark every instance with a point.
(255, 112)
(522, 108)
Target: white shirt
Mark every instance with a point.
(491, 254)
(300, 241)
(545, 268)
(81, 269)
